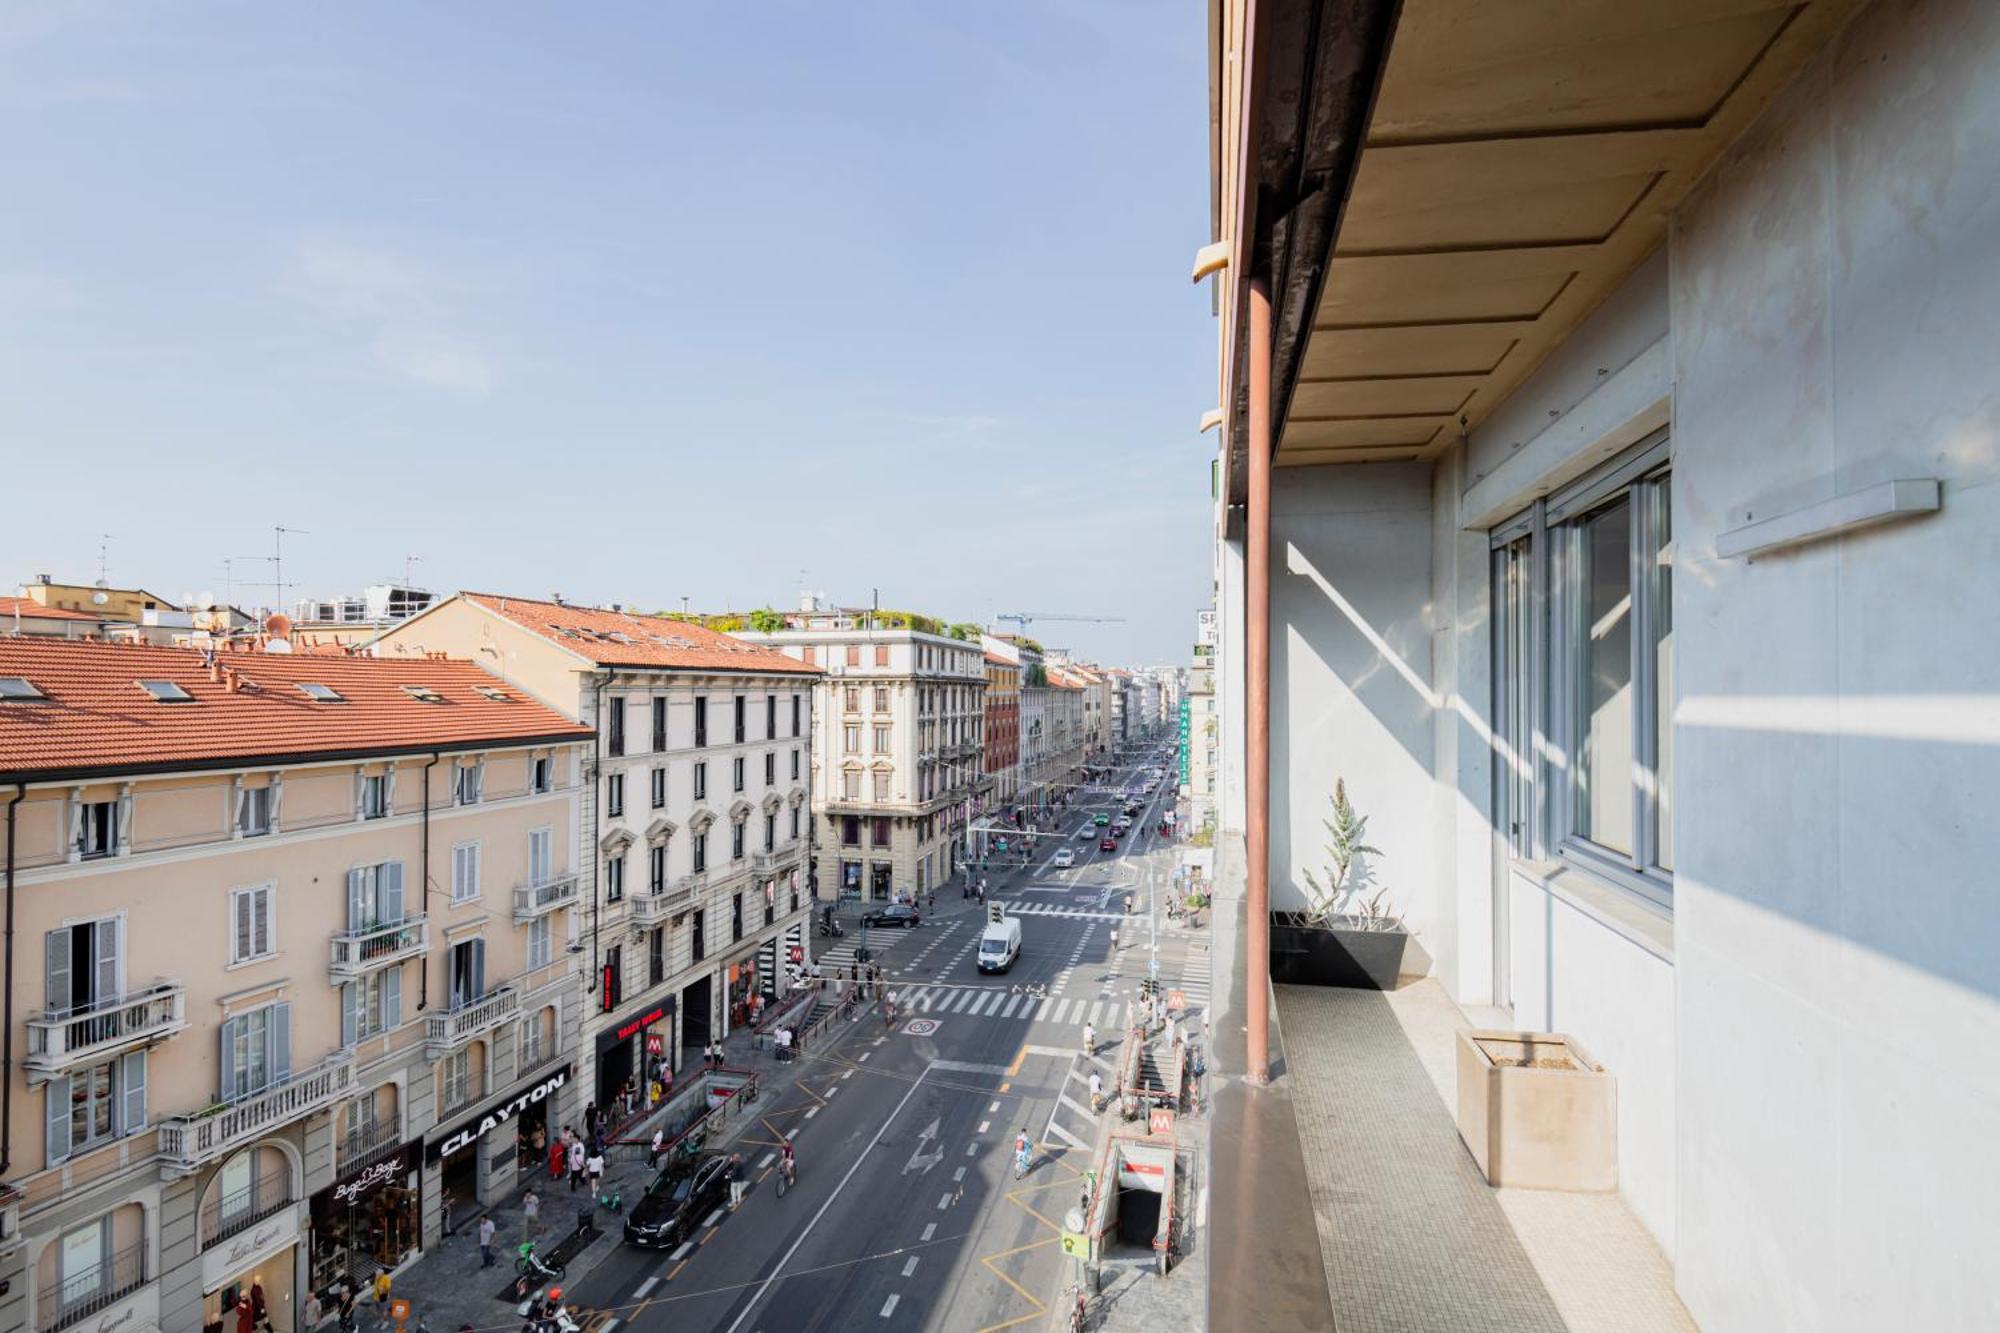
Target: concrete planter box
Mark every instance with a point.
(1537, 1111)
(1339, 954)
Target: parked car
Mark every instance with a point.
(676, 1202)
(895, 914)
(1107, 843)
(1064, 859)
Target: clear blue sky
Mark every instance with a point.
(631, 302)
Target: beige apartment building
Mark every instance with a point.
(898, 746)
(287, 969)
(696, 820)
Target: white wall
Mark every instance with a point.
(1835, 287)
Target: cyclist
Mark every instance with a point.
(789, 1163)
(1021, 1154)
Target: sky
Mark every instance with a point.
(630, 302)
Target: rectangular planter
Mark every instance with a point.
(1537, 1111)
(1337, 955)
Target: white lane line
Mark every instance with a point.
(889, 1306)
(984, 1125)
(930, 1229)
(911, 1266)
(866, 1054)
(811, 1112)
(765, 1161)
(971, 1149)
(682, 1252)
(991, 1107)
(612, 1327)
(836, 1088)
(645, 1287)
(958, 1174)
(944, 1202)
(713, 1218)
(845, 1075)
(1043, 1012)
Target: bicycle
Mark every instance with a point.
(533, 1266)
(1079, 1310)
(787, 1176)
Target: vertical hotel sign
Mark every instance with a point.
(1185, 719)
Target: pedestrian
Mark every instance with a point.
(531, 1213)
(659, 1143)
(558, 1156)
(313, 1311)
(1089, 1038)
(486, 1229)
(735, 1173)
(382, 1285)
(784, 1043)
(575, 1164)
(1096, 1092)
(595, 1166)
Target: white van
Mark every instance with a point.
(1000, 942)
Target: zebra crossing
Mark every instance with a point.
(991, 1002)
(1050, 909)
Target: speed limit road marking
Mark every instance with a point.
(921, 1027)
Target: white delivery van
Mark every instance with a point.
(1000, 943)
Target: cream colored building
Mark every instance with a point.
(898, 747)
(282, 926)
(696, 825)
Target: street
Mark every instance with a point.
(907, 1210)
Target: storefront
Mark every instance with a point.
(257, 1266)
(742, 983)
(463, 1155)
(628, 1049)
(370, 1218)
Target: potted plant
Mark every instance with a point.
(1348, 934)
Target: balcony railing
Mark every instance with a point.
(778, 858)
(227, 1214)
(188, 1141)
(360, 1144)
(652, 908)
(60, 1041)
(356, 952)
(533, 900)
(446, 1032)
(98, 1287)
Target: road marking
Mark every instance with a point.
(964, 998)
(645, 1287)
(958, 1174)
(911, 1266)
(866, 1054)
(711, 1235)
(766, 1161)
(1043, 1012)
(965, 1067)
(983, 1126)
(836, 1087)
(971, 1149)
(811, 1111)
(992, 1107)
(681, 1253)
(889, 1306)
(845, 1076)
(944, 1202)
(930, 1229)
(611, 1327)
(712, 1218)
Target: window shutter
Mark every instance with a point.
(229, 1030)
(472, 871)
(58, 1119)
(277, 800)
(389, 790)
(392, 997)
(478, 968)
(281, 1043)
(242, 806)
(263, 941)
(357, 898)
(360, 792)
(124, 839)
(75, 823)
(134, 1093)
(59, 978)
(245, 945)
(392, 890)
(105, 938)
(350, 1013)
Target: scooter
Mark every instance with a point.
(831, 928)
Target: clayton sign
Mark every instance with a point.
(474, 1130)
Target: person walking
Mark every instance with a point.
(531, 1213)
(1096, 1092)
(734, 1172)
(1090, 1038)
(576, 1158)
(659, 1145)
(486, 1230)
(558, 1156)
(594, 1167)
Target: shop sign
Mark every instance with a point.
(222, 1263)
(656, 1043)
(138, 1313)
(633, 1026)
(395, 1166)
(476, 1129)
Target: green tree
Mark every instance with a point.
(767, 621)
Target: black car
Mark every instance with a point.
(676, 1202)
(895, 914)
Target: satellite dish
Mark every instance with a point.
(278, 646)
(100, 598)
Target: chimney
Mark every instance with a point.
(230, 679)
(615, 606)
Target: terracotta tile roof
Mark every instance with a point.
(624, 638)
(31, 609)
(998, 660)
(95, 716)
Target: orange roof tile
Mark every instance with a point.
(623, 638)
(96, 718)
(31, 609)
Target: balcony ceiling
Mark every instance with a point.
(1519, 161)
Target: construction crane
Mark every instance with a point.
(1021, 618)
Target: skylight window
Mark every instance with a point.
(495, 693)
(318, 693)
(423, 693)
(166, 692)
(15, 688)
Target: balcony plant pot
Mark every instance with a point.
(1344, 951)
(1536, 1111)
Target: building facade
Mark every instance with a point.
(284, 927)
(695, 825)
(898, 747)
(1002, 751)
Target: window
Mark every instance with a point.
(850, 786)
(770, 717)
(795, 715)
(700, 852)
(96, 1105)
(256, 1051)
(371, 1006)
(881, 654)
(97, 830)
(614, 794)
(464, 872)
(881, 838)
(854, 654)
(468, 780)
(656, 869)
(541, 943)
(853, 698)
(770, 832)
(795, 765)
(881, 786)
(742, 709)
(466, 973)
(534, 1041)
(494, 692)
(318, 693)
(881, 700)
(736, 840)
(166, 692)
(18, 689)
(698, 937)
(659, 780)
(540, 842)
(701, 781)
(374, 896)
(375, 796)
(253, 811)
(795, 823)
(659, 724)
(541, 774)
(86, 971)
(614, 728)
(770, 768)
(850, 831)
(614, 880)
(251, 935)
(455, 1079)
(656, 955)
(770, 901)
(736, 916)
(736, 773)
(881, 740)
(700, 721)
(423, 694)
(851, 740)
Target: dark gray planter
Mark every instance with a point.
(1336, 954)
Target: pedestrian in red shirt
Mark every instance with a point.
(558, 1154)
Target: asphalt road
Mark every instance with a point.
(907, 1213)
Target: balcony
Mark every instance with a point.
(447, 1032)
(99, 1287)
(533, 900)
(358, 952)
(59, 1042)
(190, 1141)
(362, 1144)
(775, 860)
(650, 909)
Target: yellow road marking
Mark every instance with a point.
(767, 1171)
(1026, 1295)
(1004, 1086)
(677, 1270)
(709, 1237)
(1015, 1068)
(995, 1328)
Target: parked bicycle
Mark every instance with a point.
(535, 1268)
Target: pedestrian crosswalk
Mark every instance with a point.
(992, 1002)
(1050, 909)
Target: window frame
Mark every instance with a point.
(269, 892)
(463, 854)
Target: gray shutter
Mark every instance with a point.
(57, 1091)
(478, 968)
(350, 1013)
(105, 941)
(59, 978)
(134, 1093)
(392, 997)
(357, 898)
(245, 926)
(277, 799)
(124, 839)
(281, 1043)
(389, 791)
(391, 890)
(230, 1027)
(261, 908)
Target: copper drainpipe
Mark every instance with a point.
(1257, 684)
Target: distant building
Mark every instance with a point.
(356, 620)
(29, 618)
(127, 605)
